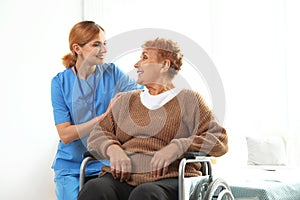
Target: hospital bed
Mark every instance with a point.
(265, 183)
(260, 169)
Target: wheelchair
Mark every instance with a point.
(204, 187)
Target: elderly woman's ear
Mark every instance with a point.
(166, 65)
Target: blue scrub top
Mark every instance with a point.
(77, 101)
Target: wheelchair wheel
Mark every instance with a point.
(219, 190)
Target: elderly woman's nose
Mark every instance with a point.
(136, 65)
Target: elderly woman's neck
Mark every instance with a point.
(158, 89)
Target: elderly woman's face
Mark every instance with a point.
(149, 68)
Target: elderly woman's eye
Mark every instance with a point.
(96, 44)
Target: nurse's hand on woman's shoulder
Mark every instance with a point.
(111, 103)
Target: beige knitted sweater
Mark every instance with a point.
(185, 120)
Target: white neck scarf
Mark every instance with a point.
(153, 102)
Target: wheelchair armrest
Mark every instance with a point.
(197, 157)
(193, 155)
(87, 157)
(92, 154)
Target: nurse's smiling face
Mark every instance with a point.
(94, 51)
(149, 68)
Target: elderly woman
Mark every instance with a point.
(147, 132)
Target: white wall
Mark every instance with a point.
(254, 45)
(34, 37)
(293, 81)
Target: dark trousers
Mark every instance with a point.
(107, 188)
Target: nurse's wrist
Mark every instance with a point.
(101, 117)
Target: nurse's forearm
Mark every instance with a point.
(68, 133)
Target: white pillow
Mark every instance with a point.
(268, 150)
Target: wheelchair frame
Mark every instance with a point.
(210, 189)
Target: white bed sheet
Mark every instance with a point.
(264, 183)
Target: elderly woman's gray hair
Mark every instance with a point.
(167, 49)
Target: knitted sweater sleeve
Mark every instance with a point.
(102, 136)
(205, 133)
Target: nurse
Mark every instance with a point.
(81, 97)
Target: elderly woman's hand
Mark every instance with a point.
(120, 163)
(163, 158)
